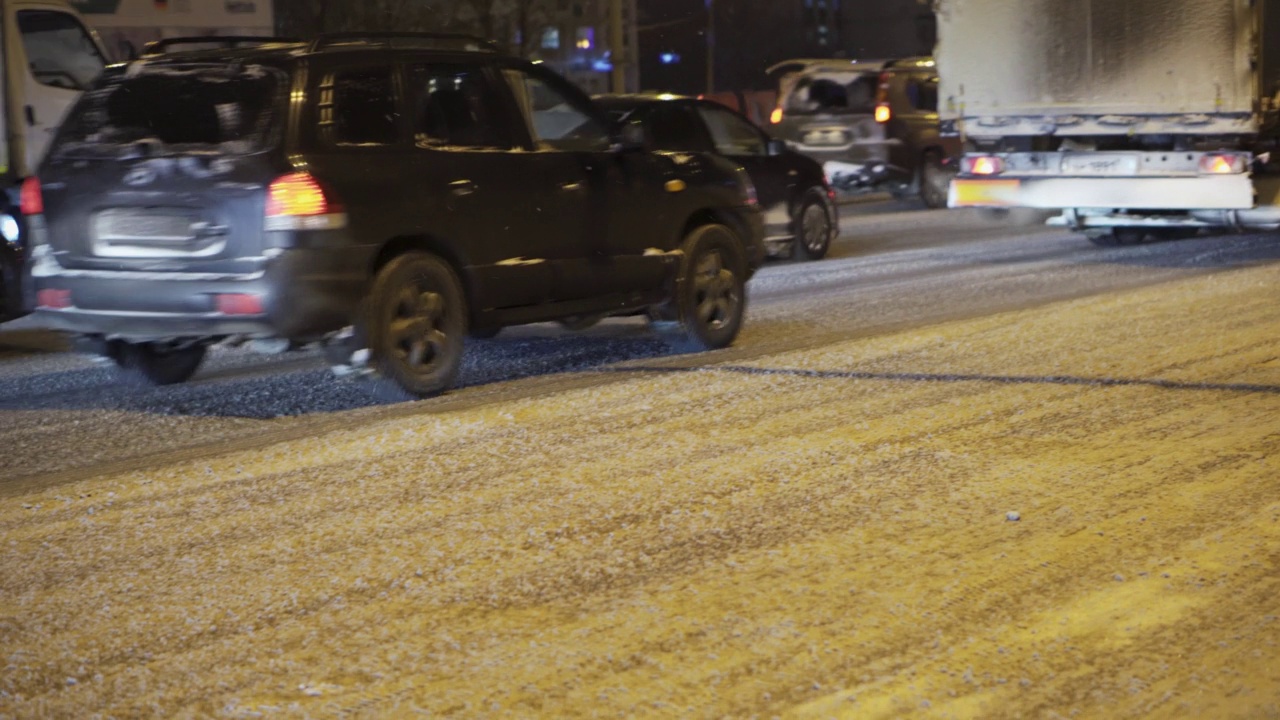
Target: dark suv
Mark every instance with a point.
(384, 195)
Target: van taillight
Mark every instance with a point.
(775, 117)
(883, 113)
(31, 199)
(298, 201)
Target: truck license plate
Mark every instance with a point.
(1096, 165)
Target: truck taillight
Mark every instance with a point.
(298, 201)
(883, 113)
(982, 165)
(1222, 164)
(775, 117)
(31, 198)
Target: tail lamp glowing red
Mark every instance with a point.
(298, 201)
(982, 165)
(1222, 164)
(31, 198)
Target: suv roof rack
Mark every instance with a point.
(442, 41)
(165, 45)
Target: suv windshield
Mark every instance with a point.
(174, 108)
(831, 92)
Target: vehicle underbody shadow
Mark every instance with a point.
(240, 384)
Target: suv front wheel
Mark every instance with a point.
(416, 322)
(710, 292)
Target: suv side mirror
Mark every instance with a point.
(630, 137)
(775, 147)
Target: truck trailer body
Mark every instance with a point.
(1134, 117)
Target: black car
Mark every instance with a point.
(800, 209)
(382, 194)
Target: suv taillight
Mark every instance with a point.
(883, 113)
(775, 117)
(298, 201)
(31, 199)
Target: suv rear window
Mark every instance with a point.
(838, 93)
(175, 108)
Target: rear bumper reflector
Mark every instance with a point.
(55, 298)
(238, 304)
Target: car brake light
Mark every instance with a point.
(983, 165)
(31, 199)
(298, 201)
(1224, 164)
(775, 117)
(883, 113)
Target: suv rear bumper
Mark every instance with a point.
(304, 293)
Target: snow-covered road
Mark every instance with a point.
(974, 471)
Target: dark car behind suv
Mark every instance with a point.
(384, 195)
(801, 217)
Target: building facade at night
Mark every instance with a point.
(575, 40)
(748, 36)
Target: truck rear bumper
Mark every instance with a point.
(1217, 192)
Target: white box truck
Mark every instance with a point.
(127, 26)
(49, 56)
(1138, 119)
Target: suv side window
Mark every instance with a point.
(454, 106)
(732, 134)
(555, 120)
(358, 107)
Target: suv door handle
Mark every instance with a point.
(462, 187)
(31, 116)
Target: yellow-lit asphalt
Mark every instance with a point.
(824, 533)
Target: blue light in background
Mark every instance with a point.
(669, 58)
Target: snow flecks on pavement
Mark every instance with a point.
(820, 533)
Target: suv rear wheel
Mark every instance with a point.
(417, 321)
(156, 363)
(710, 294)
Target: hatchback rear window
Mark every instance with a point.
(836, 93)
(174, 109)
